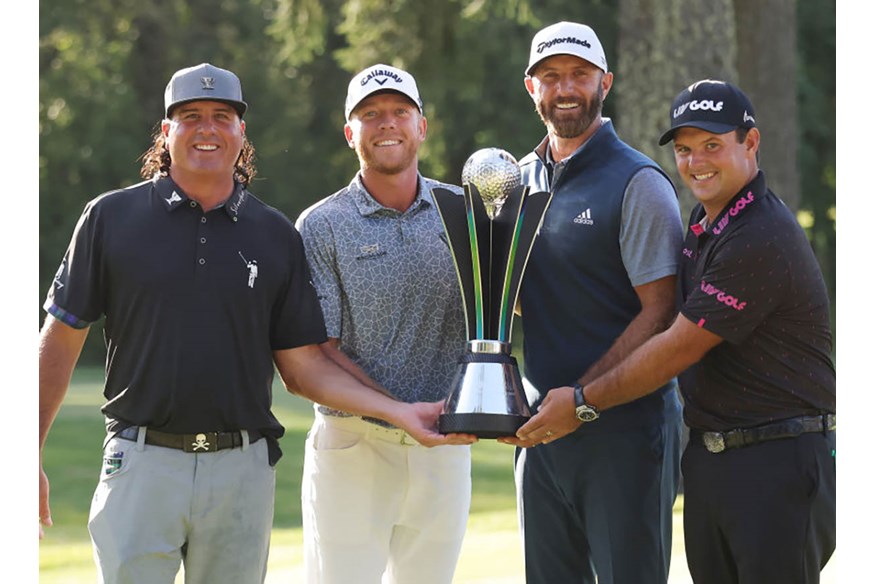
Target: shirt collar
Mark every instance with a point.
(367, 205)
(172, 196)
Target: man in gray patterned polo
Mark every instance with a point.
(375, 503)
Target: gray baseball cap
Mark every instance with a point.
(204, 82)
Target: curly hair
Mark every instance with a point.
(156, 160)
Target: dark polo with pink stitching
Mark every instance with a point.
(751, 277)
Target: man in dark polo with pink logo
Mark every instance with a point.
(752, 350)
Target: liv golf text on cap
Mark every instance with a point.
(566, 38)
(713, 106)
(380, 78)
(201, 82)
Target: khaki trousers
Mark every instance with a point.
(377, 507)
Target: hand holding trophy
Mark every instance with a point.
(490, 229)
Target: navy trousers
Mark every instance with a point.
(599, 501)
(763, 514)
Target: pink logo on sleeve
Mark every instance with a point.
(722, 296)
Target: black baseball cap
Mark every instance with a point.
(202, 82)
(713, 106)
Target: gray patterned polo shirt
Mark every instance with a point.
(388, 288)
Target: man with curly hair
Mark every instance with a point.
(204, 289)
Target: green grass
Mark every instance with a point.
(72, 457)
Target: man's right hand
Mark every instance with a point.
(45, 512)
(420, 420)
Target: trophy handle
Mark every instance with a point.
(452, 210)
(480, 235)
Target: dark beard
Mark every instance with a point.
(571, 127)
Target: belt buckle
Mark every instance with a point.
(714, 441)
(829, 422)
(201, 442)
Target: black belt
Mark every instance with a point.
(790, 428)
(198, 442)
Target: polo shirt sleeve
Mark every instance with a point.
(297, 318)
(322, 259)
(76, 293)
(744, 281)
(651, 233)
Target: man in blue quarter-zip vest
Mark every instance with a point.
(600, 282)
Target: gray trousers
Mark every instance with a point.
(155, 508)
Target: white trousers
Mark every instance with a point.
(156, 507)
(378, 507)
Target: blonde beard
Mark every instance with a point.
(369, 162)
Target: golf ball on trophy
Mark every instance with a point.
(495, 174)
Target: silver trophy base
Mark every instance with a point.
(487, 398)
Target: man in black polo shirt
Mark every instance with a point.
(205, 289)
(753, 346)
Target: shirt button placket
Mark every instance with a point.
(202, 241)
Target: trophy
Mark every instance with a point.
(490, 231)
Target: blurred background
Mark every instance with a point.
(104, 65)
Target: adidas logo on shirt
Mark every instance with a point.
(584, 218)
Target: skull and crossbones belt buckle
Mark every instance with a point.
(201, 442)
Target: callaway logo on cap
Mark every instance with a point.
(566, 38)
(380, 78)
(713, 106)
(201, 82)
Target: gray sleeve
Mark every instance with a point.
(651, 233)
(319, 248)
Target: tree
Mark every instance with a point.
(104, 65)
(766, 41)
(664, 46)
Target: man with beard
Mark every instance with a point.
(599, 283)
(376, 506)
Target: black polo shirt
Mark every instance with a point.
(751, 278)
(195, 303)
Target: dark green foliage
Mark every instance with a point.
(104, 65)
(816, 86)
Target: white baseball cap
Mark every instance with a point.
(566, 38)
(380, 78)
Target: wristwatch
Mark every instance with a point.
(583, 411)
